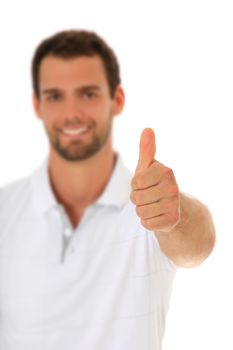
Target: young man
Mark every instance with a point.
(81, 265)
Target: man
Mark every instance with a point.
(81, 265)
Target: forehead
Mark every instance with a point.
(79, 70)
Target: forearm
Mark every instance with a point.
(191, 241)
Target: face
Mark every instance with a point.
(75, 106)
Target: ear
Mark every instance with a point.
(118, 100)
(36, 105)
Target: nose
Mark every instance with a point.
(72, 112)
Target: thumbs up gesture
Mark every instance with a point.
(154, 189)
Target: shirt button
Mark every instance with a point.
(67, 232)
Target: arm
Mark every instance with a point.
(192, 240)
(182, 224)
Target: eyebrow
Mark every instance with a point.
(80, 89)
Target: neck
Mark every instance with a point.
(79, 184)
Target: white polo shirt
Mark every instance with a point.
(104, 286)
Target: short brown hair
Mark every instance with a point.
(74, 43)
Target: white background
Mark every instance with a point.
(176, 61)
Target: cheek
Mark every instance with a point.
(99, 113)
(107, 111)
(52, 116)
(52, 111)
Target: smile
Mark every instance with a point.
(75, 132)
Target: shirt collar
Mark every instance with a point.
(116, 192)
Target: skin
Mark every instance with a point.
(71, 103)
(74, 93)
(183, 225)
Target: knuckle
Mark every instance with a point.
(168, 173)
(147, 224)
(155, 164)
(133, 182)
(174, 190)
(138, 181)
(132, 196)
(139, 211)
(135, 197)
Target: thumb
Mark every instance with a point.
(147, 149)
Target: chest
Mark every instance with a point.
(106, 265)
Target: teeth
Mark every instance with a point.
(74, 132)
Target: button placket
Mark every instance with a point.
(67, 231)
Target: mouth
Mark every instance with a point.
(75, 132)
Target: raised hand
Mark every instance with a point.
(154, 189)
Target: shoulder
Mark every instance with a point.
(14, 194)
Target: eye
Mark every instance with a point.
(53, 97)
(88, 95)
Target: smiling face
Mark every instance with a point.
(75, 105)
